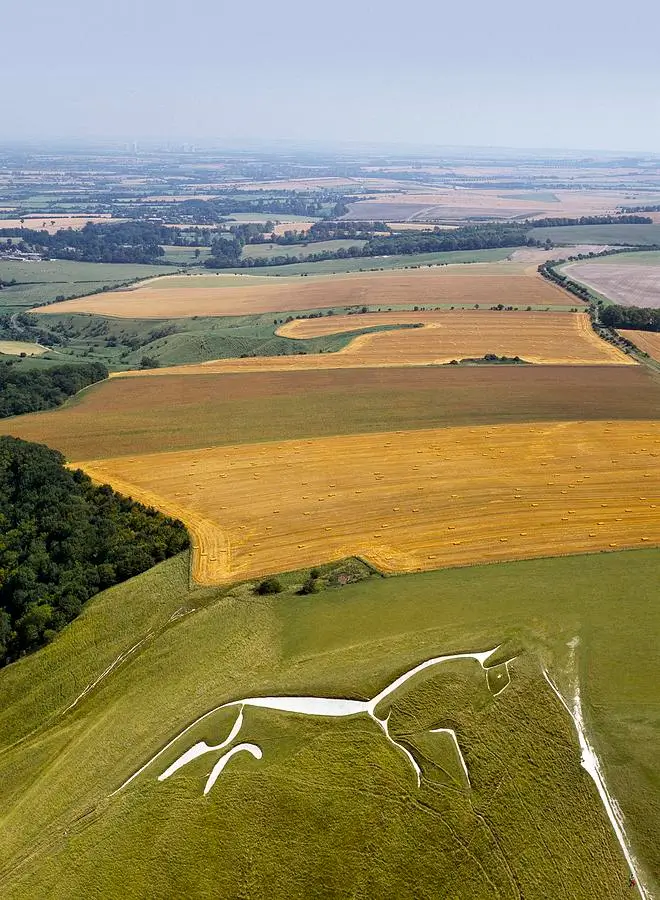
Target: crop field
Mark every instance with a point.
(648, 341)
(626, 284)
(540, 338)
(543, 836)
(405, 501)
(224, 295)
(599, 234)
(55, 222)
(146, 415)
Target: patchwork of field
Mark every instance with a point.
(626, 284)
(534, 337)
(648, 341)
(180, 412)
(224, 295)
(450, 205)
(405, 501)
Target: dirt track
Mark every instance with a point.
(406, 500)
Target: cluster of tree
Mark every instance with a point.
(219, 209)
(120, 242)
(634, 317)
(590, 220)
(327, 230)
(654, 207)
(23, 392)
(23, 327)
(468, 237)
(62, 540)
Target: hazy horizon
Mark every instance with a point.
(505, 77)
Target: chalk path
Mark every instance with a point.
(590, 763)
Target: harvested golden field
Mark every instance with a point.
(229, 295)
(406, 501)
(54, 223)
(184, 412)
(648, 341)
(536, 337)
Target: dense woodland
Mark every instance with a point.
(120, 242)
(636, 317)
(62, 540)
(590, 220)
(33, 390)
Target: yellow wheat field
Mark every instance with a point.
(541, 338)
(406, 501)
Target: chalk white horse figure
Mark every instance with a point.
(309, 706)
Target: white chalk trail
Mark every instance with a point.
(222, 762)
(104, 674)
(452, 733)
(313, 706)
(590, 763)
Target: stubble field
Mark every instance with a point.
(540, 338)
(224, 295)
(648, 341)
(406, 501)
(626, 284)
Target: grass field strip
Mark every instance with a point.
(330, 707)
(590, 763)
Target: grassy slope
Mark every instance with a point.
(331, 810)
(137, 415)
(599, 234)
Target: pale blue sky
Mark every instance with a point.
(568, 73)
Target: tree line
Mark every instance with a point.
(62, 540)
(635, 317)
(589, 220)
(34, 390)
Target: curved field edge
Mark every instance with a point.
(247, 646)
(405, 501)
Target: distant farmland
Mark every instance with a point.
(223, 295)
(405, 501)
(181, 412)
(626, 283)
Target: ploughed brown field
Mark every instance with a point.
(145, 415)
(625, 284)
(406, 501)
(648, 341)
(228, 295)
(542, 338)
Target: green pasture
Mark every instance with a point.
(184, 256)
(635, 235)
(332, 809)
(266, 251)
(377, 263)
(43, 281)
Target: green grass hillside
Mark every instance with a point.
(332, 809)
